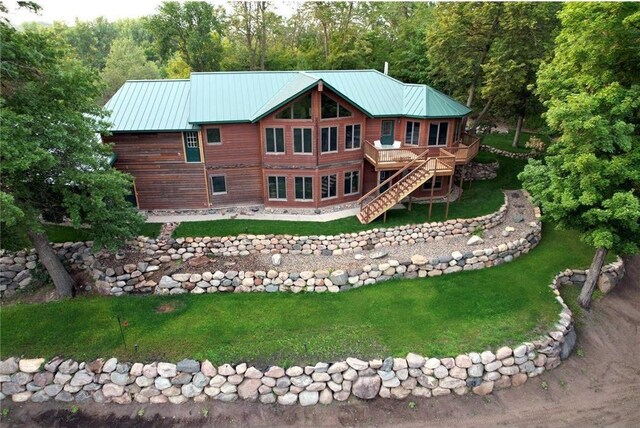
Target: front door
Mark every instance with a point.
(384, 175)
(386, 138)
(191, 147)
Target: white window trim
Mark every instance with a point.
(413, 128)
(345, 137)
(219, 143)
(446, 137)
(226, 188)
(294, 140)
(284, 141)
(352, 193)
(294, 188)
(184, 146)
(337, 139)
(336, 181)
(285, 188)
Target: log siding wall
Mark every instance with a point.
(164, 180)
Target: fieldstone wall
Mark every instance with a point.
(512, 155)
(112, 381)
(475, 171)
(16, 269)
(339, 280)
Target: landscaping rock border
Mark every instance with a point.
(16, 268)
(112, 381)
(475, 171)
(505, 153)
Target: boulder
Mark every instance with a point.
(308, 398)
(475, 240)
(366, 387)
(188, 366)
(31, 365)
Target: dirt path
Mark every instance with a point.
(598, 387)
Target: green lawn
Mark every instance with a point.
(59, 233)
(482, 197)
(462, 312)
(504, 141)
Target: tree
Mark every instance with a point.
(90, 39)
(126, 61)
(525, 38)
(52, 163)
(192, 28)
(590, 179)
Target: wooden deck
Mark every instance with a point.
(390, 158)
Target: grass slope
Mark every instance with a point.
(504, 141)
(482, 197)
(468, 311)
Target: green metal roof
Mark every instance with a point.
(248, 96)
(151, 105)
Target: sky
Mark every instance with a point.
(68, 10)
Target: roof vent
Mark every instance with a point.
(386, 67)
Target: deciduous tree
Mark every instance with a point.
(52, 162)
(126, 61)
(590, 179)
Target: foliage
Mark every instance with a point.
(193, 28)
(126, 61)
(589, 180)
(91, 40)
(493, 306)
(535, 144)
(503, 141)
(52, 163)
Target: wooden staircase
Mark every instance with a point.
(413, 175)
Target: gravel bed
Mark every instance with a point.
(518, 206)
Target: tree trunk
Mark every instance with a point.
(584, 299)
(263, 34)
(482, 114)
(61, 278)
(516, 137)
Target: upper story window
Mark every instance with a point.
(331, 108)
(191, 146)
(302, 142)
(299, 109)
(352, 137)
(274, 140)
(329, 139)
(438, 134)
(412, 134)
(213, 136)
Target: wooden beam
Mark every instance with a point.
(461, 182)
(433, 185)
(446, 211)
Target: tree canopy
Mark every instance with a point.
(53, 164)
(126, 61)
(590, 179)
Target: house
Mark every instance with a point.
(287, 139)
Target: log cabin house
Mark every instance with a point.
(300, 139)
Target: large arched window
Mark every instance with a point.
(331, 108)
(299, 109)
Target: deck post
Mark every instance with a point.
(464, 168)
(384, 217)
(446, 211)
(433, 184)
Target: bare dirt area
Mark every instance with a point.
(599, 385)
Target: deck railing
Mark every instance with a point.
(467, 148)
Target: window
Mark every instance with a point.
(302, 140)
(329, 139)
(438, 184)
(300, 109)
(352, 137)
(304, 188)
(218, 184)
(351, 182)
(413, 133)
(275, 140)
(191, 146)
(213, 136)
(277, 188)
(331, 108)
(438, 134)
(329, 186)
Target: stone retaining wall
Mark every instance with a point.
(420, 376)
(475, 171)
(512, 155)
(15, 269)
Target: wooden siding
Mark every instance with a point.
(239, 147)
(244, 186)
(163, 179)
